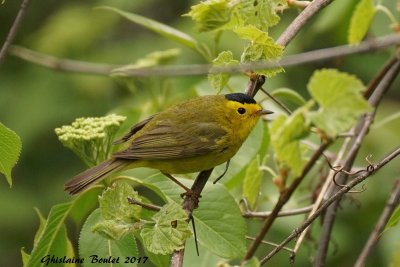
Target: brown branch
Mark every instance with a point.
(60, 64)
(328, 186)
(68, 65)
(283, 198)
(378, 77)
(393, 201)
(144, 205)
(361, 131)
(323, 190)
(13, 30)
(313, 8)
(296, 25)
(191, 202)
(339, 194)
(271, 244)
(255, 83)
(265, 214)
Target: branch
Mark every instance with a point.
(60, 64)
(339, 194)
(255, 83)
(13, 30)
(361, 129)
(144, 205)
(69, 65)
(254, 214)
(190, 203)
(313, 8)
(393, 201)
(327, 186)
(324, 190)
(283, 198)
(271, 244)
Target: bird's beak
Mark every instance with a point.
(264, 112)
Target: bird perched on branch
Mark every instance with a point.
(192, 136)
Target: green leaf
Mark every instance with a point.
(117, 213)
(92, 244)
(286, 133)
(393, 221)
(360, 21)
(261, 48)
(205, 259)
(25, 257)
(112, 229)
(160, 260)
(53, 239)
(340, 99)
(219, 223)
(114, 203)
(157, 27)
(253, 262)
(252, 182)
(289, 95)
(219, 80)
(10, 149)
(260, 13)
(210, 15)
(221, 235)
(42, 224)
(85, 203)
(70, 253)
(168, 231)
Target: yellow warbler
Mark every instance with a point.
(192, 136)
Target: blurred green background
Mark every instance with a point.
(35, 100)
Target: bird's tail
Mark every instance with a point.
(96, 173)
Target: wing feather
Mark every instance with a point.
(167, 142)
(135, 128)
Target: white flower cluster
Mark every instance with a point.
(89, 128)
(90, 138)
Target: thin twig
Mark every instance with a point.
(378, 77)
(144, 205)
(279, 103)
(201, 69)
(61, 64)
(283, 198)
(13, 30)
(313, 8)
(191, 202)
(361, 131)
(284, 213)
(283, 40)
(339, 194)
(391, 204)
(323, 191)
(270, 243)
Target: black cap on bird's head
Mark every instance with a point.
(245, 99)
(241, 98)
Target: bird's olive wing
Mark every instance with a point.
(167, 142)
(135, 128)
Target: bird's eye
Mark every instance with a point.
(241, 111)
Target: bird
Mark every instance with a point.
(188, 137)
